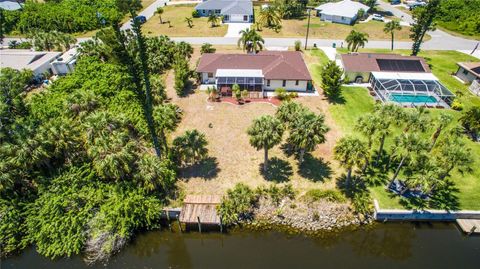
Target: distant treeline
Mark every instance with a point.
(462, 16)
(69, 16)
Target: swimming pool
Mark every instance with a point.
(411, 98)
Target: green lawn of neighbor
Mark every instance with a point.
(176, 14)
(357, 102)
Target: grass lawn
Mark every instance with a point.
(328, 30)
(176, 14)
(358, 101)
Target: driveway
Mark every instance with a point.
(235, 28)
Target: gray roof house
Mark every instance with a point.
(231, 10)
(344, 12)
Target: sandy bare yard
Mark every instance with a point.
(233, 160)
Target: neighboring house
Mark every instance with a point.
(66, 62)
(11, 4)
(344, 12)
(37, 61)
(40, 62)
(470, 73)
(265, 71)
(231, 10)
(359, 66)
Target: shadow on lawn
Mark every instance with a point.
(206, 169)
(278, 170)
(315, 169)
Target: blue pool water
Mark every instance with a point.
(411, 98)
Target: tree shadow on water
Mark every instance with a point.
(315, 169)
(206, 169)
(278, 170)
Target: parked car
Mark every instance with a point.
(141, 19)
(378, 17)
(395, 2)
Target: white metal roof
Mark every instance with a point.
(26, 59)
(256, 73)
(345, 8)
(408, 76)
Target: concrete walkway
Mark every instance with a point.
(235, 28)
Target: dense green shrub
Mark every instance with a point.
(67, 16)
(461, 16)
(329, 195)
(237, 205)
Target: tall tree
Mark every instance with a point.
(307, 132)
(441, 123)
(167, 117)
(159, 11)
(423, 22)
(189, 21)
(407, 147)
(356, 39)
(250, 41)
(147, 94)
(387, 114)
(350, 152)
(332, 79)
(391, 27)
(265, 133)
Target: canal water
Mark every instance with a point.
(380, 246)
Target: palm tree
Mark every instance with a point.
(166, 117)
(368, 126)
(288, 112)
(416, 120)
(270, 16)
(191, 147)
(453, 153)
(159, 12)
(250, 40)
(388, 114)
(350, 152)
(265, 133)
(189, 21)
(155, 174)
(391, 27)
(307, 132)
(442, 122)
(356, 39)
(407, 146)
(213, 19)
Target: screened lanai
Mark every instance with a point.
(249, 79)
(410, 89)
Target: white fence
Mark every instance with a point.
(422, 215)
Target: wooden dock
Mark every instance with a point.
(469, 226)
(201, 209)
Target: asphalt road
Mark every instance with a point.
(440, 40)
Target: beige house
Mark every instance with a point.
(265, 71)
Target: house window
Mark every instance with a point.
(245, 18)
(268, 83)
(226, 18)
(284, 83)
(210, 75)
(203, 11)
(217, 11)
(296, 82)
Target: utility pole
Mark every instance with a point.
(308, 27)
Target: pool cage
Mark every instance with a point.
(422, 88)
